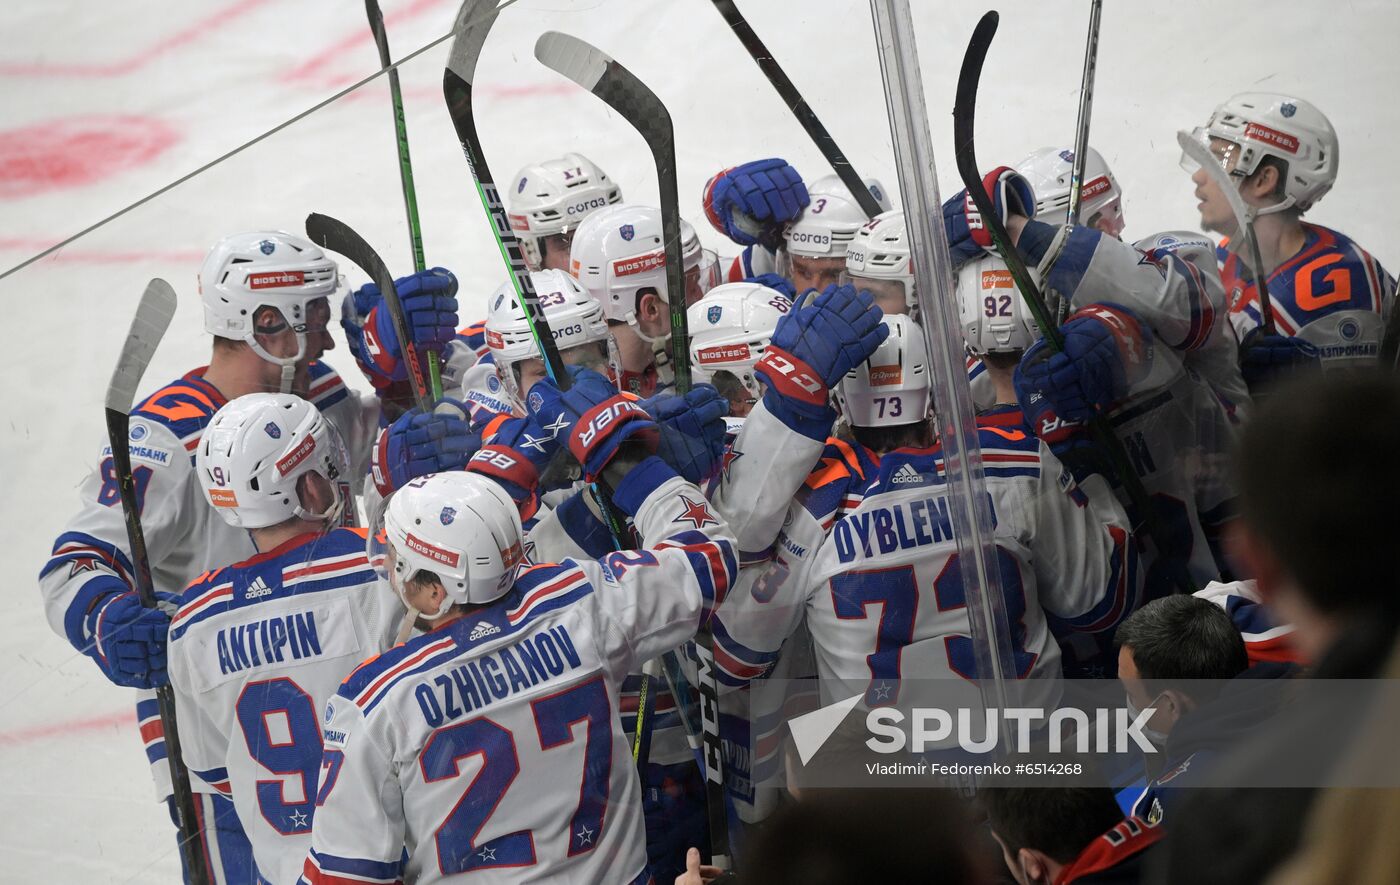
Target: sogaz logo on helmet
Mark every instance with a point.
(267, 247)
(586, 206)
(815, 239)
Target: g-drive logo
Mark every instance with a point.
(979, 731)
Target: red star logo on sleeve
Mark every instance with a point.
(85, 564)
(730, 457)
(697, 513)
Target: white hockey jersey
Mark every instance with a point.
(881, 590)
(1170, 281)
(184, 536)
(256, 651)
(492, 744)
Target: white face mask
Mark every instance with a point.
(1157, 738)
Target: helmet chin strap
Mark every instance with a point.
(288, 364)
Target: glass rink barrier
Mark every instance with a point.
(980, 460)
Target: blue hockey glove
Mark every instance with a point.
(968, 237)
(128, 639)
(751, 203)
(776, 282)
(592, 418)
(516, 457)
(429, 300)
(1105, 348)
(1267, 359)
(418, 444)
(692, 430)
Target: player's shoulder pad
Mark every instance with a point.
(368, 683)
(326, 387)
(1008, 451)
(838, 482)
(184, 407)
(543, 588)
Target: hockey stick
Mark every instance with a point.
(1086, 109)
(964, 118)
(410, 195)
(473, 23)
(147, 328)
(337, 236)
(1244, 218)
(798, 105)
(622, 91)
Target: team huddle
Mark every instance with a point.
(409, 643)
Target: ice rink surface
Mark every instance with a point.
(101, 104)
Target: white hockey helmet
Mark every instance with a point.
(575, 319)
(1265, 124)
(461, 527)
(1050, 170)
(552, 197)
(619, 251)
(881, 252)
(244, 273)
(993, 314)
(831, 220)
(894, 386)
(729, 329)
(254, 451)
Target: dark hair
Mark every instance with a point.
(1319, 480)
(1003, 359)
(887, 439)
(842, 837)
(1059, 821)
(1183, 637)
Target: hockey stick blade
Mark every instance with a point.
(152, 318)
(625, 93)
(1244, 218)
(790, 95)
(337, 236)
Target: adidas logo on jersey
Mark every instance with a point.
(482, 630)
(257, 589)
(905, 475)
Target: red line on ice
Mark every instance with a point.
(136, 60)
(78, 255)
(70, 727)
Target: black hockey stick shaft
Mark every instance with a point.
(337, 236)
(1086, 110)
(149, 325)
(622, 91)
(798, 105)
(474, 21)
(410, 194)
(964, 143)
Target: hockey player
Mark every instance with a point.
(257, 648)
(729, 329)
(880, 262)
(619, 255)
(452, 745)
(1175, 431)
(1169, 280)
(266, 300)
(1050, 172)
(549, 202)
(1330, 298)
(753, 206)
